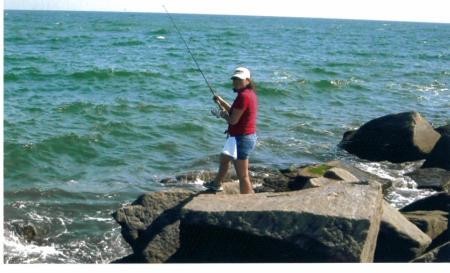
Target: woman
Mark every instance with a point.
(241, 119)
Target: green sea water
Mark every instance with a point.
(99, 106)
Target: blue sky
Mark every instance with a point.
(397, 10)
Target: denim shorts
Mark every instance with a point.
(245, 145)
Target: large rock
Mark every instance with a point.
(340, 174)
(360, 174)
(313, 175)
(440, 155)
(444, 130)
(335, 223)
(434, 178)
(318, 182)
(440, 254)
(397, 138)
(437, 201)
(399, 240)
(332, 175)
(151, 225)
(433, 223)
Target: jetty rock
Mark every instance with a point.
(440, 155)
(440, 254)
(433, 178)
(335, 223)
(399, 240)
(150, 225)
(435, 225)
(396, 138)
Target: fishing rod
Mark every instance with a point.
(190, 52)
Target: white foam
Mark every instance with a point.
(99, 219)
(404, 188)
(30, 253)
(160, 37)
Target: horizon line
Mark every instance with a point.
(225, 14)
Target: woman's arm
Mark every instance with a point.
(235, 116)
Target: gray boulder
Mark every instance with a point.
(397, 138)
(151, 225)
(433, 223)
(318, 182)
(340, 174)
(335, 223)
(332, 175)
(440, 254)
(434, 178)
(399, 240)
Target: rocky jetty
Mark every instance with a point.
(327, 212)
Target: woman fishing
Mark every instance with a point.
(241, 141)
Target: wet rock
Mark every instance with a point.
(195, 176)
(440, 254)
(397, 138)
(335, 223)
(399, 240)
(440, 155)
(151, 224)
(433, 178)
(28, 232)
(438, 201)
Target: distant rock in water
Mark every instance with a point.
(396, 138)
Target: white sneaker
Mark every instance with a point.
(213, 186)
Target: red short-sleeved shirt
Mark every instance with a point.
(248, 101)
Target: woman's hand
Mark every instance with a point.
(218, 99)
(222, 103)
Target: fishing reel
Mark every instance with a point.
(218, 113)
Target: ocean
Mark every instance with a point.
(98, 107)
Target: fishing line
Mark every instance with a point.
(189, 50)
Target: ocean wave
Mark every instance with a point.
(23, 73)
(59, 244)
(160, 31)
(183, 127)
(338, 84)
(129, 43)
(24, 58)
(17, 250)
(323, 71)
(112, 73)
(53, 193)
(21, 156)
(341, 64)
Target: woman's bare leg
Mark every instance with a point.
(241, 167)
(223, 168)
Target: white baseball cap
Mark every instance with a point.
(241, 73)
